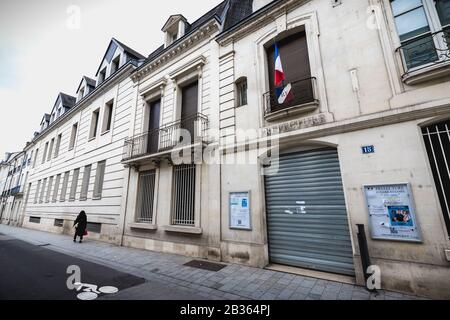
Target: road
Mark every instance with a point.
(30, 272)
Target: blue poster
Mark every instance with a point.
(400, 216)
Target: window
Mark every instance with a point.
(437, 144)
(58, 145)
(64, 186)
(423, 27)
(102, 76)
(94, 227)
(44, 156)
(99, 179)
(183, 198)
(74, 185)
(94, 124)
(107, 118)
(56, 188)
(73, 136)
(115, 64)
(36, 195)
(241, 87)
(81, 94)
(189, 108)
(35, 220)
(146, 196)
(49, 189)
(50, 150)
(35, 158)
(59, 223)
(85, 183)
(293, 52)
(41, 196)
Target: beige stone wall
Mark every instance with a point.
(381, 111)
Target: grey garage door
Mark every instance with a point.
(306, 214)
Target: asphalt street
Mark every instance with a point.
(30, 272)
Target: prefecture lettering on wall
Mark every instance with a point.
(391, 212)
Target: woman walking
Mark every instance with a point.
(80, 224)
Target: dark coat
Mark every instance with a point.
(81, 224)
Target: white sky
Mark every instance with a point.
(40, 55)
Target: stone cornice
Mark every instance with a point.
(258, 20)
(176, 50)
(385, 118)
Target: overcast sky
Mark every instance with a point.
(46, 47)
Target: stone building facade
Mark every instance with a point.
(363, 106)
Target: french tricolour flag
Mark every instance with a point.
(284, 93)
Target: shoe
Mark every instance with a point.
(81, 241)
(75, 241)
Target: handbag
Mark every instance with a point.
(85, 233)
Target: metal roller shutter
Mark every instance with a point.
(306, 213)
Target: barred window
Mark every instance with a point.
(99, 179)
(183, 198)
(146, 196)
(85, 183)
(74, 184)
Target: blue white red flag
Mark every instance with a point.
(283, 92)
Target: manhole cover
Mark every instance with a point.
(108, 290)
(87, 296)
(210, 266)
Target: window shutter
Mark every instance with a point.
(85, 184)
(99, 179)
(73, 188)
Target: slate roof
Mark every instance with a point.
(130, 51)
(90, 82)
(237, 11)
(67, 100)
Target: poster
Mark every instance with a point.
(391, 212)
(240, 210)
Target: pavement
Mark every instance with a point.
(167, 278)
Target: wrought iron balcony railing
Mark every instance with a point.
(425, 50)
(16, 190)
(302, 92)
(167, 137)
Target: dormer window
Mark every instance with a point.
(81, 94)
(102, 76)
(174, 29)
(115, 65)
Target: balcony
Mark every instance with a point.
(161, 142)
(304, 99)
(16, 191)
(426, 57)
